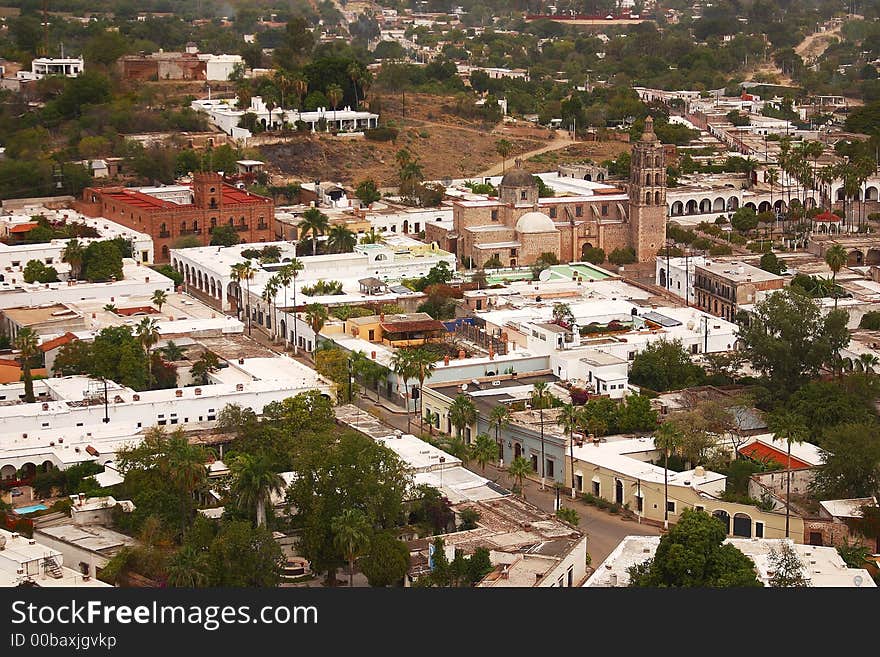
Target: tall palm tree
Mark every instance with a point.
(499, 418)
(73, 255)
(147, 333)
(867, 363)
(183, 465)
(789, 427)
(286, 275)
(569, 419)
(270, 291)
(772, 177)
(355, 72)
(159, 299)
(835, 258)
(340, 239)
(424, 362)
(519, 469)
(372, 237)
(462, 413)
(504, 148)
(253, 482)
(541, 399)
(484, 450)
(334, 95)
(300, 87)
(316, 316)
(402, 365)
(314, 222)
(667, 437)
(351, 536)
(28, 345)
(245, 271)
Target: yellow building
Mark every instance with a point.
(620, 471)
(406, 330)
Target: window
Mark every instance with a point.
(553, 212)
(523, 195)
(550, 468)
(597, 488)
(513, 253)
(759, 529)
(535, 462)
(670, 506)
(494, 215)
(579, 211)
(604, 209)
(579, 482)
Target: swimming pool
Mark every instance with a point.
(584, 270)
(24, 510)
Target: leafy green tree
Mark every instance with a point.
(367, 191)
(594, 255)
(568, 515)
(37, 272)
(387, 560)
(693, 554)
(244, 556)
(825, 404)
(665, 365)
(635, 414)
(102, 261)
(598, 416)
(788, 339)
(224, 235)
(851, 462)
(188, 568)
(338, 471)
(622, 256)
(771, 263)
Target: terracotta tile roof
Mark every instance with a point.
(24, 228)
(60, 341)
(134, 310)
(414, 325)
(761, 452)
(9, 362)
(826, 216)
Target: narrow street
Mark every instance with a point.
(604, 530)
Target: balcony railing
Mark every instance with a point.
(164, 233)
(242, 228)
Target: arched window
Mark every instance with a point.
(647, 198)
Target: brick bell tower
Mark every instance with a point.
(647, 195)
(208, 190)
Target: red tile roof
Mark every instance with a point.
(826, 217)
(231, 196)
(58, 342)
(8, 362)
(134, 310)
(24, 228)
(760, 452)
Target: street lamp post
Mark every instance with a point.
(106, 404)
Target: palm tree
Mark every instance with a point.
(484, 450)
(789, 427)
(254, 480)
(519, 469)
(772, 177)
(188, 568)
(355, 72)
(503, 147)
(287, 276)
(172, 351)
(668, 438)
(300, 87)
(183, 465)
(340, 239)
(314, 222)
(316, 316)
(159, 298)
(351, 536)
(334, 95)
(28, 345)
(462, 413)
(835, 258)
(569, 419)
(402, 365)
(372, 237)
(541, 399)
(244, 271)
(270, 291)
(424, 362)
(866, 363)
(147, 333)
(73, 255)
(499, 418)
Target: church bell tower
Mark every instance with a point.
(647, 195)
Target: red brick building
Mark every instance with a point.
(196, 211)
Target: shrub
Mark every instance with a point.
(622, 256)
(381, 134)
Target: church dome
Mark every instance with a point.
(518, 177)
(535, 222)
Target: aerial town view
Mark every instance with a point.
(439, 294)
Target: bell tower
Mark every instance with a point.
(647, 195)
(208, 190)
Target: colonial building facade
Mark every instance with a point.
(175, 211)
(518, 226)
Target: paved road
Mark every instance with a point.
(604, 530)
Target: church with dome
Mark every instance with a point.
(515, 228)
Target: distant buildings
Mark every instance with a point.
(42, 67)
(190, 65)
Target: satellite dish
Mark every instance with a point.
(545, 275)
